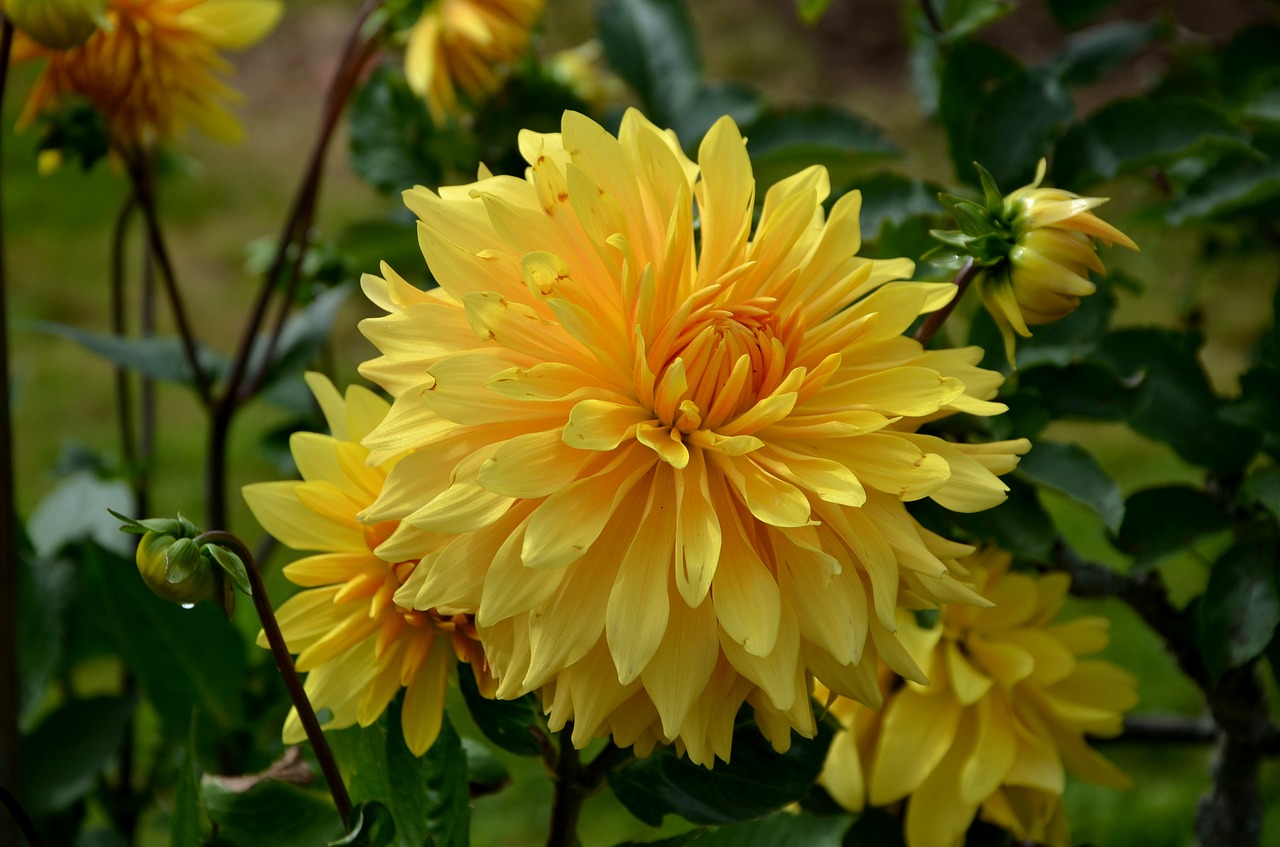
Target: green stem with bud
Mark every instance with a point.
(930, 327)
(306, 714)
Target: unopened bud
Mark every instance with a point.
(174, 569)
(57, 24)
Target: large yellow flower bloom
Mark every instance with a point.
(462, 46)
(664, 461)
(1008, 705)
(154, 69)
(356, 645)
(1054, 234)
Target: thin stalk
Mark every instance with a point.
(570, 794)
(147, 402)
(930, 327)
(10, 705)
(124, 396)
(20, 819)
(307, 715)
(140, 171)
(241, 385)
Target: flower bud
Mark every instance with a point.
(174, 569)
(57, 24)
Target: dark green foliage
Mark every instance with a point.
(1168, 519)
(271, 814)
(64, 753)
(1071, 470)
(507, 723)
(1241, 606)
(756, 782)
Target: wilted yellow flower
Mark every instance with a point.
(57, 24)
(1008, 705)
(1054, 235)
(356, 645)
(664, 462)
(463, 46)
(153, 68)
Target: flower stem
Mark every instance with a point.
(124, 394)
(307, 715)
(10, 705)
(931, 325)
(570, 794)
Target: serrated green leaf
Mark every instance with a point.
(1071, 470)
(1236, 185)
(755, 783)
(784, 142)
(1015, 124)
(1263, 487)
(392, 136)
(651, 44)
(970, 69)
(161, 359)
(1138, 132)
(272, 814)
(1091, 54)
(182, 658)
(63, 755)
(1240, 608)
(507, 723)
(1173, 400)
(1169, 519)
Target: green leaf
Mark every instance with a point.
(1241, 606)
(1095, 52)
(811, 10)
(231, 565)
(161, 359)
(391, 134)
(889, 198)
(651, 44)
(960, 18)
(63, 755)
(185, 826)
(875, 828)
(507, 723)
(755, 783)
(1234, 186)
(782, 829)
(1071, 339)
(182, 560)
(46, 588)
(1258, 405)
(1071, 470)
(1016, 123)
(428, 796)
(1173, 401)
(680, 840)
(1166, 520)
(77, 509)
(1090, 390)
(301, 339)
(370, 825)
(1073, 14)
(1019, 524)
(1139, 132)
(484, 770)
(710, 102)
(272, 814)
(183, 658)
(784, 142)
(1263, 487)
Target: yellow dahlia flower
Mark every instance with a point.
(356, 645)
(153, 69)
(57, 24)
(462, 46)
(662, 459)
(1008, 705)
(1054, 235)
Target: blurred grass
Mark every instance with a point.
(58, 229)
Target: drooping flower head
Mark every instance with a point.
(663, 458)
(356, 645)
(1006, 711)
(153, 69)
(462, 47)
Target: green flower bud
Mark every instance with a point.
(57, 24)
(174, 569)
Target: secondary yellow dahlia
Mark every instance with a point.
(664, 460)
(1054, 234)
(58, 24)
(463, 47)
(1008, 706)
(356, 645)
(153, 69)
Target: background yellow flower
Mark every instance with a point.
(1008, 704)
(461, 47)
(356, 645)
(153, 69)
(667, 470)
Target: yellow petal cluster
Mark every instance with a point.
(57, 24)
(1005, 714)
(357, 647)
(153, 69)
(1055, 234)
(462, 47)
(663, 456)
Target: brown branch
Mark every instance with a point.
(930, 327)
(280, 651)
